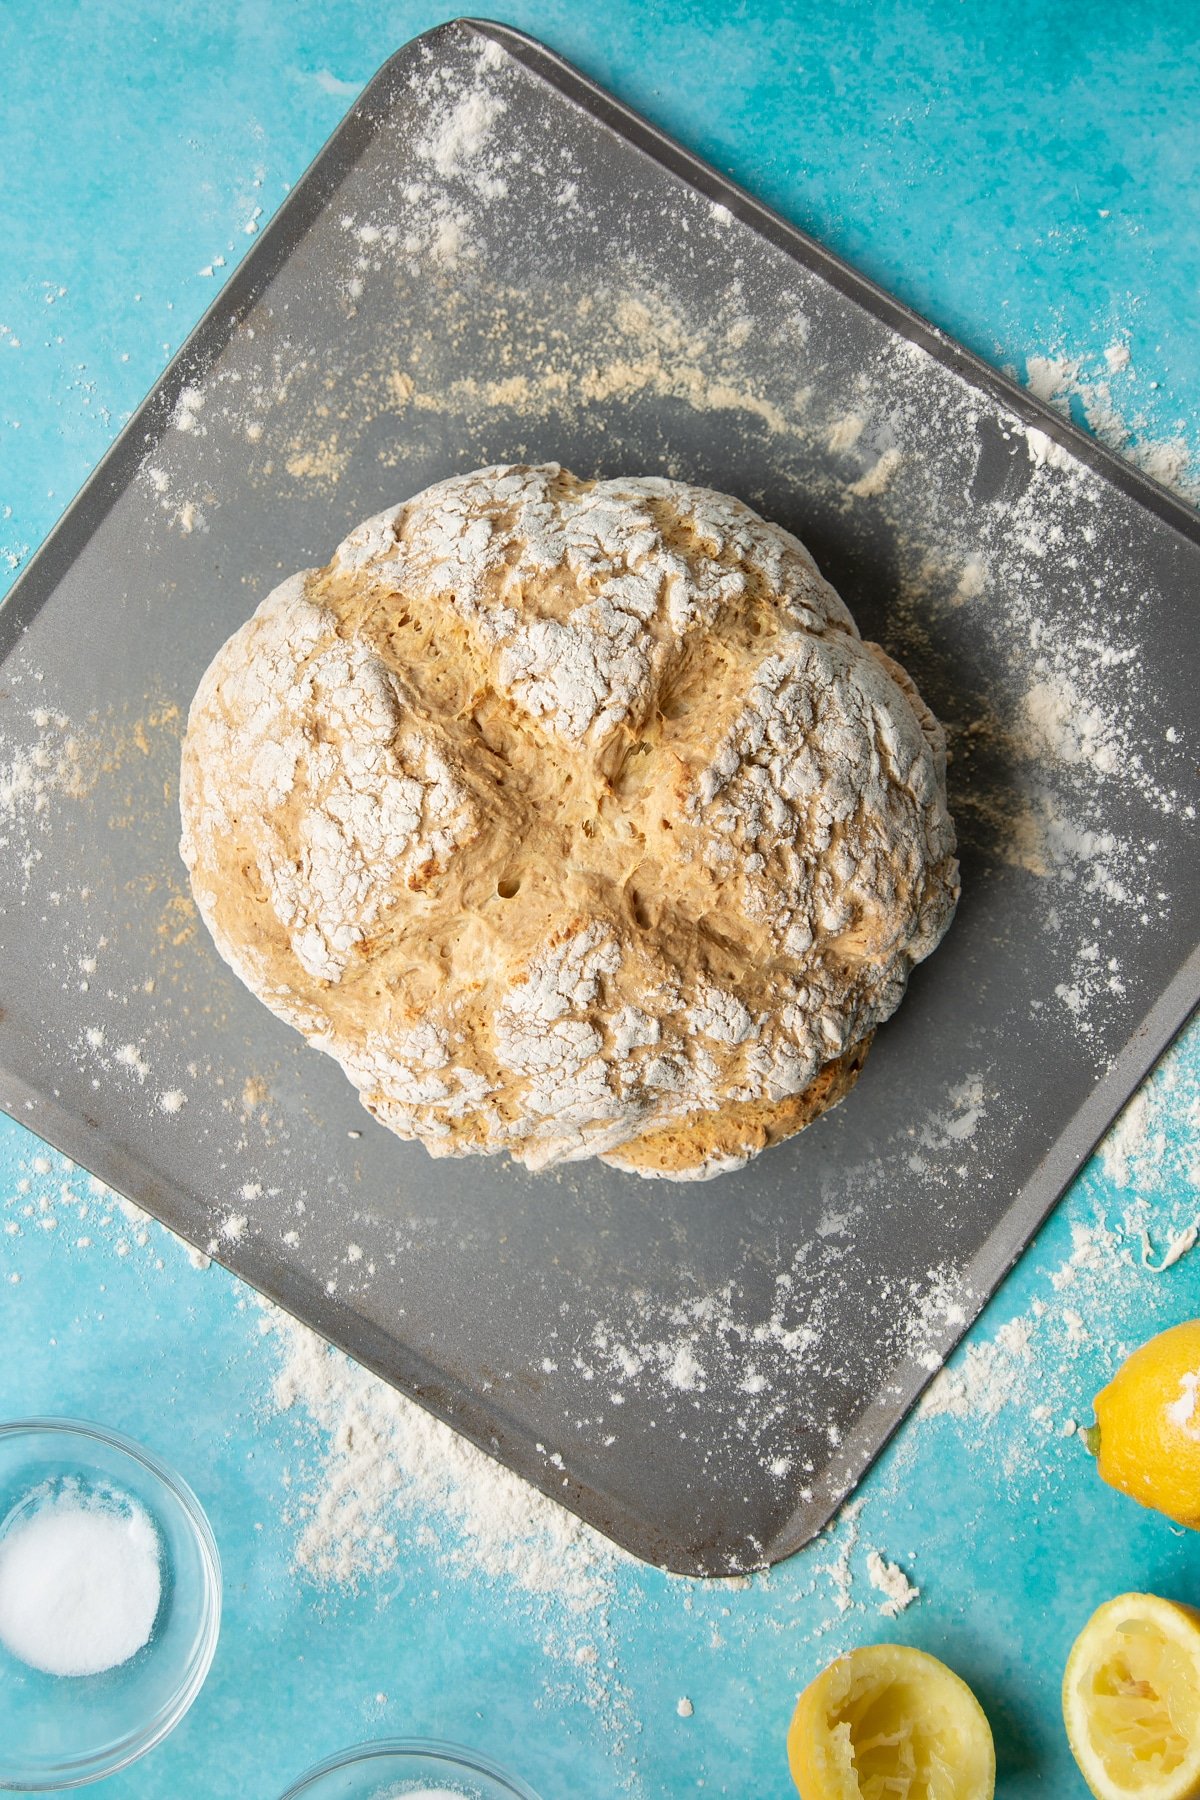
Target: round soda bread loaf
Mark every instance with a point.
(574, 818)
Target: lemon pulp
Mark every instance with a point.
(888, 1722)
(895, 1751)
(1133, 1699)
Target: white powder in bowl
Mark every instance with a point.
(423, 1794)
(80, 1580)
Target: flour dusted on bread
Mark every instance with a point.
(573, 818)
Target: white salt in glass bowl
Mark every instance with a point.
(397, 1768)
(58, 1731)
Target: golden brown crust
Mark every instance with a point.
(720, 1141)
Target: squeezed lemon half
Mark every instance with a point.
(1146, 1438)
(887, 1722)
(1131, 1700)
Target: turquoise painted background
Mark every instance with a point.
(1026, 177)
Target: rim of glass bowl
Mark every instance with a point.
(454, 1756)
(74, 1771)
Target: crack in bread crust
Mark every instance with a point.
(573, 818)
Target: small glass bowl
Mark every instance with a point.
(398, 1767)
(59, 1731)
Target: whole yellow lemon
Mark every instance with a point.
(1146, 1439)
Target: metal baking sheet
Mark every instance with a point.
(494, 261)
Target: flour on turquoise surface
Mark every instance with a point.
(1159, 1165)
(1141, 1154)
(387, 1466)
(889, 1579)
(377, 1474)
(1121, 419)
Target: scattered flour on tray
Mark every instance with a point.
(934, 1316)
(1062, 724)
(46, 759)
(373, 1474)
(466, 165)
(1032, 1361)
(878, 477)
(32, 773)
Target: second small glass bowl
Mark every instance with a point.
(397, 1768)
